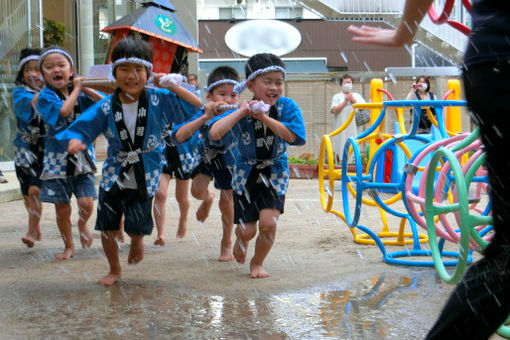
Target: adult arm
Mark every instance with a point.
(414, 11)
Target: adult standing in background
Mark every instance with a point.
(341, 107)
(421, 91)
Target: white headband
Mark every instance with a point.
(25, 60)
(132, 60)
(275, 68)
(221, 82)
(59, 51)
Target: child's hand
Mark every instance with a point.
(77, 82)
(171, 80)
(157, 77)
(213, 109)
(258, 107)
(244, 107)
(75, 146)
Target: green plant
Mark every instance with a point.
(306, 158)
(54, 33)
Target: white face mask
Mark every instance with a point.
(423, 86)
(347, 87)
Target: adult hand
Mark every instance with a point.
(377, 36)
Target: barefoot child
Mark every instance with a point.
(133, 120)
(216, 162)
(60, 103)
(29, 142)
(180, 162)
(261, 173)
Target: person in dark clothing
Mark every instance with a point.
(481, 301)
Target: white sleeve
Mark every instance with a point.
(359, 98)
(337, 99)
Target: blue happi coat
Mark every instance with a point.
(164, 108)
(26, 132)
(55, 152)
(243, 134)
(203, 147)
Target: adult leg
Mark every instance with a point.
(85, 208)
(111, 250)
(182, 196)
(481, 301)
(63, 212)
(226, 204)
(267, 233)
(159, 209)
(200, 190)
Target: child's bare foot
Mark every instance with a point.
(240, 251)
(120, 236)
(137, 250)
(181, 230)
(28, 240)
(86, 238)
(38, 233)
(109, 279)
(257, 271)
(226, 254)
(205, 207)
(161, 240)
(66, 255)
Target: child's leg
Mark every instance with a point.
(181, 194)
(227, 219)
(267, 233)
(63, 212)
(85, 208)
(137, 250)
(34, 209)
(111, 250)
(244, 232)
(200, 190)
(159, 209)
(120, 232)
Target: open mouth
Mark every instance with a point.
(58, 78)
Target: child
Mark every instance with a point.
(29, 142)
(133, 120)
(180, 162)
(60, 103)
(216, 162)
(261, 173)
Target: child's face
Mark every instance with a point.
(267, 87)
(32, 74)
(223, 93)
(56, 70)
(131, 78)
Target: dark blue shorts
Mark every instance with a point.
(60, 190)
(28, 177)
(216, 169)
(115, 203)
(257, 196)
(173, 164)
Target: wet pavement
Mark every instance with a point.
(323, 286)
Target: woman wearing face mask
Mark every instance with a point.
(421, 91)
(341, 107)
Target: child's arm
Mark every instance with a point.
(277, 127)
(225, 123)
(68, 105)
(173, 84)
(187, 130)
(93, 94)
(186, 95)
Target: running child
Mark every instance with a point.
(133, 120)
(29, 142)
(262, 129)
(216, 162)
(63, 100)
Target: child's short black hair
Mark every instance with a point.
(56, 47)
(222, 72)
(26, 52)
(261, 61)
(131, 47)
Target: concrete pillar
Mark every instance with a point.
(86, 35)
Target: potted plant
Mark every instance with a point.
(305, 166)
